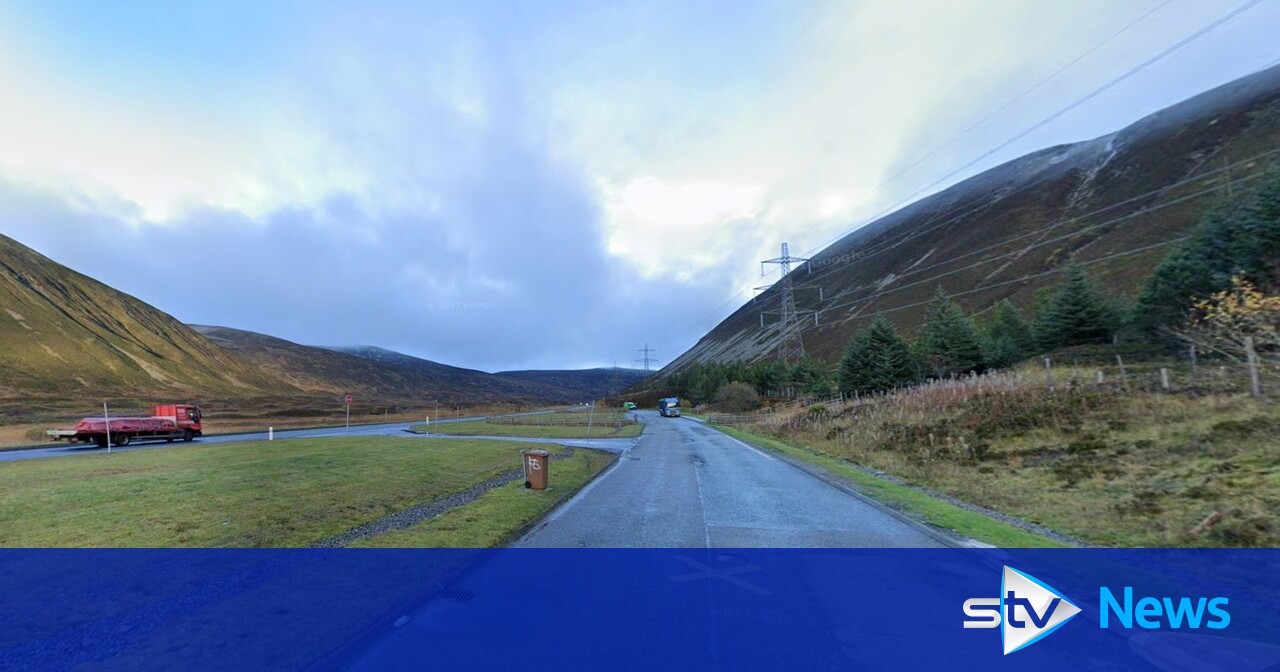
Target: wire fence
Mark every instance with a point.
(573, 419)
(1193, 376)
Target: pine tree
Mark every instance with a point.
(1202, 265)
(876, 359)
(948, 341)
(1256, 249)
(1229, 240)
(1009, 339)
(1076, 313)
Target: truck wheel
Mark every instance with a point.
(100, 441)
(187, 435)
(122, 440)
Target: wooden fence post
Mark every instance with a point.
(1164, 378)
(1048, 371)
(1255, 381)
(1124, 375)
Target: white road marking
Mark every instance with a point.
(578, 497)
(752, 449)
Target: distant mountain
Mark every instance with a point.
(65, 334)
(372, 372)
(65, 337)
(1115, 204)
(587, 384)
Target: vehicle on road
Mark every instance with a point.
(168, 422)
(629, 405)
(669, 407)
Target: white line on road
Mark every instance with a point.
(579, 496)
(752, 449)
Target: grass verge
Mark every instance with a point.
(533, 430)
(494, 517)
(253, 494)
(908, 500)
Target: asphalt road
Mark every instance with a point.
(388, 429)
(686, 485)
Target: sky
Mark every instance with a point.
(504, 185)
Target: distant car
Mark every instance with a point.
(629, 405)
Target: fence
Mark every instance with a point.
(1193, 376)
(574, 419)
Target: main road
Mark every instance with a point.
(380, 429)
(687, 485)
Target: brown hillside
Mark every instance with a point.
(1115, 204)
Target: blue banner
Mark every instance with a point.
(651, 609)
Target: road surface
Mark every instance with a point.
(387, 429)
(687, 485)
(693, 603)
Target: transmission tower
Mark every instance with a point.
(644, 357)
(791, 348)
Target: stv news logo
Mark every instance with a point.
(1026, 611)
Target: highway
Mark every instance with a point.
(687, 485)
(386, 429)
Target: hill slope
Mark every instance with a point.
(584, 383)
(68, 335)
(368, 372)
(1114, 204)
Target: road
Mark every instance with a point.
(687, 485)
(387, 429)
(686, 489)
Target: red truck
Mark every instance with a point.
(167, 422)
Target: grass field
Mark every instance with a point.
(607, 425)
(257, 494)
(490, 519)
(1113, 465)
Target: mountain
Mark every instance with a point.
(370, 372)
(65, 334)
(585, 383)
(1114, 204)
(66, 338)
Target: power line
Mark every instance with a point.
(1031, 129)
(999, 257)
(1110, 84)
(1024, 278)
(886, 246)
(1023, 250)
(1012, 101)
(946, 144)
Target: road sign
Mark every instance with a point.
(350, 399)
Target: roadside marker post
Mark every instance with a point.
(271, 433)
(349, 398)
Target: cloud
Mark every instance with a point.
(500, 185)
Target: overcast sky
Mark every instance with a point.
(531, 185)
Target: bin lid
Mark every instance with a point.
(541, 453)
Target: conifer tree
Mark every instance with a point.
(1009, 339)
(1076, 313)
(876, 359)
(948, 341)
